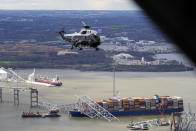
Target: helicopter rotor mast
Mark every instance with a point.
(85, 25)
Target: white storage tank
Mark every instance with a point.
(3, 74)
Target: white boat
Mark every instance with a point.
(144, 126)
(135, 127)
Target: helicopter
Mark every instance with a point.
(85, 38)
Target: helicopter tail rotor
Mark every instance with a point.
(61, 31)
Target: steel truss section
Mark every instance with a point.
(183, 121)
(93, 110)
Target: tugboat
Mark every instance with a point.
(30, 114)
(52, 113)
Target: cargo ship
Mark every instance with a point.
(137, 106)
(53, 82)
(43, 80)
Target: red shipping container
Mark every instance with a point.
(164, 106)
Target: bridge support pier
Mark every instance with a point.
(1, 96)
(33, 97)
(16, 97)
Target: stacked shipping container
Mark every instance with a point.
(142, 103)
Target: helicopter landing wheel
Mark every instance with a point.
(97, 49)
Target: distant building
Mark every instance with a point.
(123, 56)
(142, 60)
(3, 74)
(126, 59)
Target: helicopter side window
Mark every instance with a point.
(83, 32)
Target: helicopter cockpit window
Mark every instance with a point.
(83, 32)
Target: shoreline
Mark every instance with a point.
(119, 68)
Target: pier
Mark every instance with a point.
(1, 100)
(96, 111)
(34, 99)
(16, 95)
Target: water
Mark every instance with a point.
(97, 85)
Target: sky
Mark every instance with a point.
(68, 5)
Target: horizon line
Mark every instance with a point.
(68, 10)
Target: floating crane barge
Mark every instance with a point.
(52, 113)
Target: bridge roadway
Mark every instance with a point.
(47, 106)
(63, 108)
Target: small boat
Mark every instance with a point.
(130, 124)
(135, 127)
(144, 126)
(163, 122)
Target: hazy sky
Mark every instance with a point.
(69, 4)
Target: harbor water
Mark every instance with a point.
(97, 85)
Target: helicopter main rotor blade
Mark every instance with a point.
(84, 24)
(108, 27)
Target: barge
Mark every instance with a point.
(52, 113)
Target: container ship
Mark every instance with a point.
(155, 105)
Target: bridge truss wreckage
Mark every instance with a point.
(91, 109)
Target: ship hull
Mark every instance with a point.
(31, 116)
(131, 112)
(52, 115)
(48, 82)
